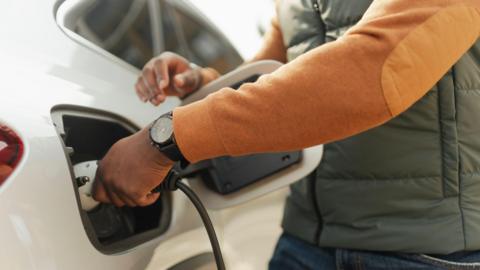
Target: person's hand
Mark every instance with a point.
(168, 74)
(130, 170)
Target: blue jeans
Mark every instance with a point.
(292, 253)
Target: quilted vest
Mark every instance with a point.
(410, 185)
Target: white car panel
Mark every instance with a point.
(41, 225)
(41, 68)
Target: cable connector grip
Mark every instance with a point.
(170, 182)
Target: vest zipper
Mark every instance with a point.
(313, 188)
(316, 6)
(313, 181)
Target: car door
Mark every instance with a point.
(247, 217)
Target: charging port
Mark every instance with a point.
(87, 136)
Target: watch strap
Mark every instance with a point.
(171, 150)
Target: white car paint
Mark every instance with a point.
(41, 226)
(40, 68)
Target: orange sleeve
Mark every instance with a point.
(273, 47)
(377, 70)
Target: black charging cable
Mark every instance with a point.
(173, 182)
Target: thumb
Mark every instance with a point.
(188, 81)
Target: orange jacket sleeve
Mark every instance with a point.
(273, 47)
(377, 70)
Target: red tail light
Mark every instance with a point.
(11, 151)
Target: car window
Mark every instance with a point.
(135, 31)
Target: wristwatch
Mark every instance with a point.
(162, 137)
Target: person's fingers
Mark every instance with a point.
(158, 99)
(139, 93)
(152, 197)
(167, 74)
(99, 193)
(150, 89)
(142, 90)
(114, 197)
(146, 200)
(123, 196)
(161, 68)
(125, 199)
(187, 80)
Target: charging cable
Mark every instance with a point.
(173, 182)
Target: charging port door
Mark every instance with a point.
(228, 181)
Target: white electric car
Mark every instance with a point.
(67, 70)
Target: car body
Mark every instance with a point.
(69, 99)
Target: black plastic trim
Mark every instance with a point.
(137, 239)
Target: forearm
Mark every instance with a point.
(273, 47)
(381, 67)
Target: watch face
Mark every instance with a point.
(162, 130)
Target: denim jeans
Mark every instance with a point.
(292, 253)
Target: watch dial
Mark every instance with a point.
(162, 130)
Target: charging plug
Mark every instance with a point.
(84, 176)
(169, 183)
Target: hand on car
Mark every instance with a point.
(130, 170)
(168, 74)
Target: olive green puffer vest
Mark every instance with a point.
(411, 185)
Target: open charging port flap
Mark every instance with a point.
(228, 181)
